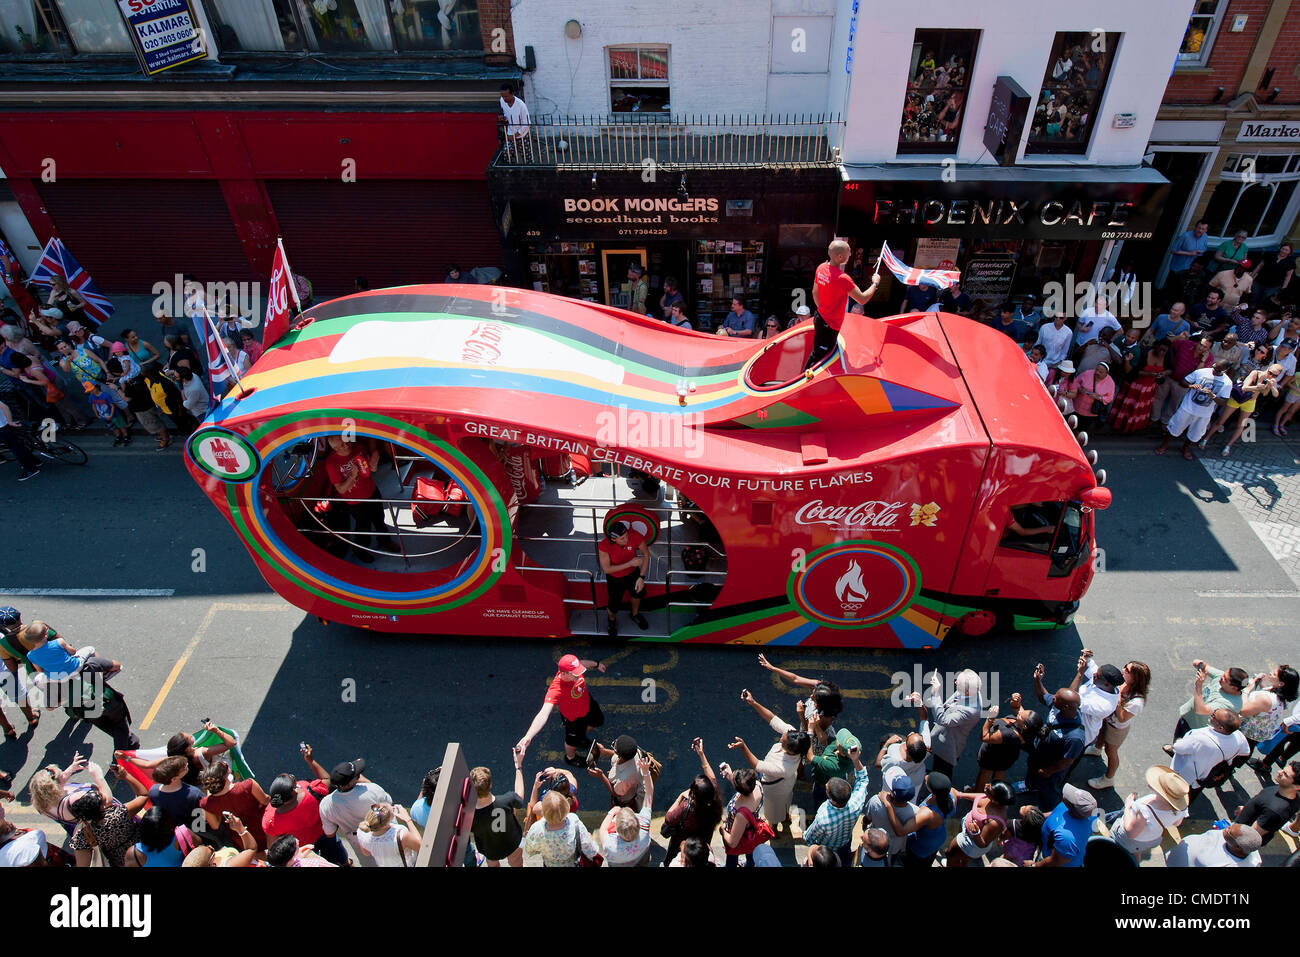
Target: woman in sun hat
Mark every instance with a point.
(1141, 823)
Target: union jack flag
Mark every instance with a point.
(57, 261)
(219, 361)
(912, 276)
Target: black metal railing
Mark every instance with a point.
(640, 142)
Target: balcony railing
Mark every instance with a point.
(638, 141)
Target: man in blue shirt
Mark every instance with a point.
(1067, 829)
(671, 295)
(1186, 249)
(1009, 325)
(739, 322)
(1028, 313)
(1172, 324)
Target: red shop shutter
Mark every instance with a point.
(392, 232)
(130, 234)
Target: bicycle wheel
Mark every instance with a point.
(60, 451)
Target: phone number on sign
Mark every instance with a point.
(1125, 234)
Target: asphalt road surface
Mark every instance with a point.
(1194, 566)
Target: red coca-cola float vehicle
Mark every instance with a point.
(920, 479)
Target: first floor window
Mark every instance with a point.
(345, 26)
(1201, 29)
(255, 26)
(1072, 89)
(95, 26)
(638, 79)
(937, 87)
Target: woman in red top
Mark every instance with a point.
(578, 709)
(625, 572)
(245, 800)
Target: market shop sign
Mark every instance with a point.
(1275, 131)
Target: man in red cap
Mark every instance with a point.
(578, 709)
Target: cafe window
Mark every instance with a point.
(95, 26)
(937, 89)
(1257, 193)
(255, 26)
(1202, 27)
(26, 30)
(638, 79)
(1072, 89)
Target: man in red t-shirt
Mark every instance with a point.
(578, 709)
(350, 470)
(831, 292)
(625, 572)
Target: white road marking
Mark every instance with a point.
(1248, 594)
(92, 592)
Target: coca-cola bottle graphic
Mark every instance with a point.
(224, 455)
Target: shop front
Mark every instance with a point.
(1009, 231)
(756, 235)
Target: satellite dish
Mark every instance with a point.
(573, 29)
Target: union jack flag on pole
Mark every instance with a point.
(913, 276)
(56, 261)
(220, 365)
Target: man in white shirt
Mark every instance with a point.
(1198, 751)
(345, 807)
(1140, 825)
(1207, 388)
(515, 112)
(1092, 320)
(1098, 689)
(1235, 846)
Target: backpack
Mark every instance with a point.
(1218, 774)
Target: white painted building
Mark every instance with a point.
(1052, 197)
(744, 57)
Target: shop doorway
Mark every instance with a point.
(667, 261)
(614, 265)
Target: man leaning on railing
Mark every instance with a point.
(515, 112)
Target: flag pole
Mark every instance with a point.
(221, 345)
(293, 286)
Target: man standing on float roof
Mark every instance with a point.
(831, 292)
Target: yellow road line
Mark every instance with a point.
(217, 606)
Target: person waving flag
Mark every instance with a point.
(57, 263)
(914, 276)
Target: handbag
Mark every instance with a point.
(672, 825)
(581, 855)
(758, 832)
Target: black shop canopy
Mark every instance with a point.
(1021, 202)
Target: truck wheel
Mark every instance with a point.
(976, 623)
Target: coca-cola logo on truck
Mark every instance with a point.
(866, 514)
(224, 455)
(862, 515)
